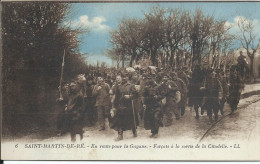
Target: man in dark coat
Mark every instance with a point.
(103, 102)
(242, 67)
(124, 114)
(213, 94)
(151, 104)
(235, 88)
(195, 95)
(168, 89)
(91, 114)
(75, 111)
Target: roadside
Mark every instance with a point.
(251, 89)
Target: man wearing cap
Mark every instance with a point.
(169, 89)
(124, 114)
(75, 110)
(151, 104)
(213, 94)
(242, 65)
(103, 103)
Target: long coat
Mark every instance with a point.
(152, 100)
(75, 112)
(195, 94)
(213, 90)
(235, 89)
(126, 114)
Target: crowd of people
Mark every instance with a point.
(131, 96)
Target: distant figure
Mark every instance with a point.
(241, 59)
(242, 65)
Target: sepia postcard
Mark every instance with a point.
(130, 80)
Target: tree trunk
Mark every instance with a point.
(171, 58)
(252, 67)
(131, 62)
(153, 58)
(123, 63)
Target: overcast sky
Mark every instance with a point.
(103, 17)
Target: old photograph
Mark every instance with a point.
(147, 80)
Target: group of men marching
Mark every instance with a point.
(126, 98)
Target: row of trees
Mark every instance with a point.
(162, 33)
(171, 37)
(34, 40)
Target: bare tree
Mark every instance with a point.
(199, 32)
(220, 40)
(175, 31)
(153, 33)
(127, 39)
(248, 39)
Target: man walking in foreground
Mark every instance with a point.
(103, 103)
